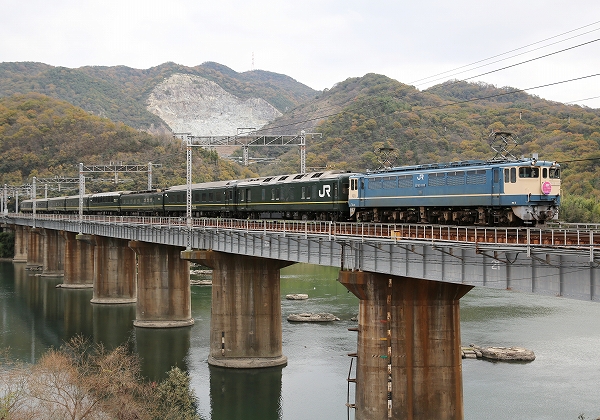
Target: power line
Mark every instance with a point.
(508, 52)
(494, 62)
(533, 59)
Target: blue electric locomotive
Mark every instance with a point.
(502, 192)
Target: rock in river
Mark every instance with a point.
(297, 296)
(310, 317)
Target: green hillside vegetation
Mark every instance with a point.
(447, 123)
(120, 93)
(45, 137)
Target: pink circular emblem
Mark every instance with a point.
(546, 188)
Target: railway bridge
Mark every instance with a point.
(409, 279)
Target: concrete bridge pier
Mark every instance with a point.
(245, 330)
(53, 253)
(79, 261)
(114, 271)
(409, 363)
(163, 287)
(20, 244)
(35, 249)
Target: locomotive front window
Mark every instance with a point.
(555, 173)
(545, 173)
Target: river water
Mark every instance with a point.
(562, 383)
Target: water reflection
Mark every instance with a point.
(162, 349)
(112, 324)
(250, 394)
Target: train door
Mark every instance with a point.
(354, 196)
(496, 187)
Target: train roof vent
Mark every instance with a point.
(268, 179)
(282, 178)
(298, 176)
(317, 175)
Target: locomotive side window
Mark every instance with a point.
(456, 178)
(248, 195)
(437, 180)
(554, 173)
(513, 175)
(389, 182)
(405, 181)
(375, 183)
(303, 192)
(476, 177)
(545, 173)
(528, 172)
(263, 194)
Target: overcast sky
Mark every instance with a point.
(322, 42)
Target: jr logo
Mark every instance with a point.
(326, 190)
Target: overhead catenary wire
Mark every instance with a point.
(516, 55)
(511, 51)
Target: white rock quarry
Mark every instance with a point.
(193, 104)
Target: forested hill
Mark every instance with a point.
(44, 137)
(120, 93)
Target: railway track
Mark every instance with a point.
(558, 235)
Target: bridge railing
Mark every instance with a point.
(554, 235)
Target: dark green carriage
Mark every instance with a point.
(210, 199)
(56, 205)
(72, 203)
(310, 196)
(145, 203)
(107, 202)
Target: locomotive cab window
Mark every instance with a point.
(554, 173)
(529, 172)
